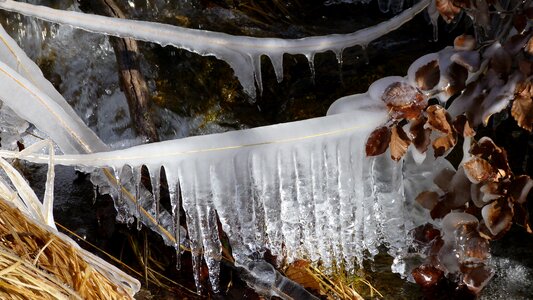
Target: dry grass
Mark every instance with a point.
(337, 284)
(35, 263)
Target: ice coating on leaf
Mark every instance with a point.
(242, 53)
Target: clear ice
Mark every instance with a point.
(242, 53)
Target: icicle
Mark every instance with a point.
(207, 221)
(289, 210)
(311, 60)
(155, 179)
(256, 62)
(176, 204)
(189, 190)
(138, 200)
(277, 63)
(306, 207)
(48, 199)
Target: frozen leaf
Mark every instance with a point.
(474, 249)
(428, 199)
(467, 59)
(486, 149)
(378, 141)
(398, 143)
(493, 190)
(439, 118)
(498, 216)
(425, 234)
(529, 46)
(479, 170)
(462, 126)
(442, 144)
(447, 9)
(501, 61)
(520, 188)
(427, 275)
(428, 76)
(298, 272)
(420, 135)
(464, 42)
(477, 278)
(521, 217)
(404, 100)
(522, 109)
(457, 76)
(516, 43)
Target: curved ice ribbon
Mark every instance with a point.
(242, 53)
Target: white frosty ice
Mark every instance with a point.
(242, 53)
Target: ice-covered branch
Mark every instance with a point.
(242, 53)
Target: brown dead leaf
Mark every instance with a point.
(479, 170)
(447, 9)
(529, 46)
(457, 76)
(420, 135)
(520, 188)
(464, 42)
(439, 118)
(498, 217)
(404, 100)
(442, 144)
(428, 76)
(497, 156)
(398, 143)
(298, 272)
(462, 126)
(428, 199)
(378, 141)
(522, 109)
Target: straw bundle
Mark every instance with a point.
(36, 263)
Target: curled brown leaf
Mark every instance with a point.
(464, 42)
(479, 170)
(522, 109)
(462, 126)
(457, 76)
(498, 216)
(378, 141)
(486, 148)
(439, 118)
(404, 100)
(420, 134)
(442, 144)
(520, 188)
(447, 9)
(398, 143)
(428, 76)
(298, 272)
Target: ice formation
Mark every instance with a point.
(300, 190)
(242, 53)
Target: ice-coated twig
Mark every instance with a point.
(242, 53)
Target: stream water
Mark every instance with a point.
(195, 95)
